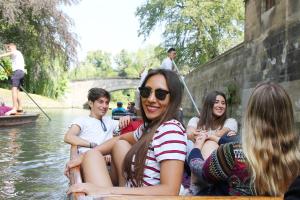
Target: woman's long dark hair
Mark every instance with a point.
(139, 150)
(207, 118)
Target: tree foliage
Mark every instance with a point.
(41, 31)
(132, 64)
(199, 29)
(124, 64)
(96, 64)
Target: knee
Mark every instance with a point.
(91, 154)
(121, 145)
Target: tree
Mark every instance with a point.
(41, 31)
(198, 29)
(96, 64)
(131, 64)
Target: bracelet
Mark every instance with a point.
(93, 144)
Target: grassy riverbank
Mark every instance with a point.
(44, 102)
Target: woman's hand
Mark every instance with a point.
(231, 133)
(200, 139)
(124, 121)
(73, 163)
(192, 136)
(88, 188)
(213, 138)
(107, 159)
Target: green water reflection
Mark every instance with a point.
(33, 156)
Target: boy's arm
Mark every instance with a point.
(72, 137)
(5, 54)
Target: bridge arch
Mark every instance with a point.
(76, 97)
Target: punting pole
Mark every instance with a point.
(187, 89)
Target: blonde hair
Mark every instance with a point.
(270, 142)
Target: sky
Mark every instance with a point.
(108, 25)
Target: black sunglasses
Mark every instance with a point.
(160, 94)
(103, 125)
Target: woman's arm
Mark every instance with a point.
(71, 137)
(106, 147)
(171, 175)
(230, 125)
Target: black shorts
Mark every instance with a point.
(17, 78)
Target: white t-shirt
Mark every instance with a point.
(17, 60)
(169, 143)
(229, 123)
(92, 131)
(167, 64)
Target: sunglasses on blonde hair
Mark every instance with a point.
(160, 94)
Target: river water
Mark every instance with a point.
(33, 156)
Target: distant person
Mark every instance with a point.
(89, 131)
(168, 62)
(131, 108)
(119, 109)
(268, 159)
(17, 77)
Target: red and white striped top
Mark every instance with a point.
(169, 143)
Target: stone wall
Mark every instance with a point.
(271, 51)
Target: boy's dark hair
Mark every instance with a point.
(96, 93)
(171, 49)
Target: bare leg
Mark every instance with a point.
(113, 174)
(95, 170)
(14, 91)
(19, 100)
(118, 154)
(208, 147)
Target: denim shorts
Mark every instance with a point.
(17, 78)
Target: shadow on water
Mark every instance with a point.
(33, 156)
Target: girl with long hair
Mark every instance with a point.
(214, 122)
(267, 161)
(150, 160)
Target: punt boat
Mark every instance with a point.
(76, 177)
(18, 119)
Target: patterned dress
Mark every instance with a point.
(225, 172)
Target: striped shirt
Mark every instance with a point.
(169, 143)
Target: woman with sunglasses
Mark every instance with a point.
(267, 161)
(149, 161)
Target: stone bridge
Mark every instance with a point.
(76, 96)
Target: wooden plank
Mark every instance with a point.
(75, 174)
(127, 197)
(18, 119)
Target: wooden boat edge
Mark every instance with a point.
(19, 119)
(75, 174)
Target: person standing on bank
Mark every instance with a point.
(168, 62)
(18, 68)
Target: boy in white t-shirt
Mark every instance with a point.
(89, 131)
